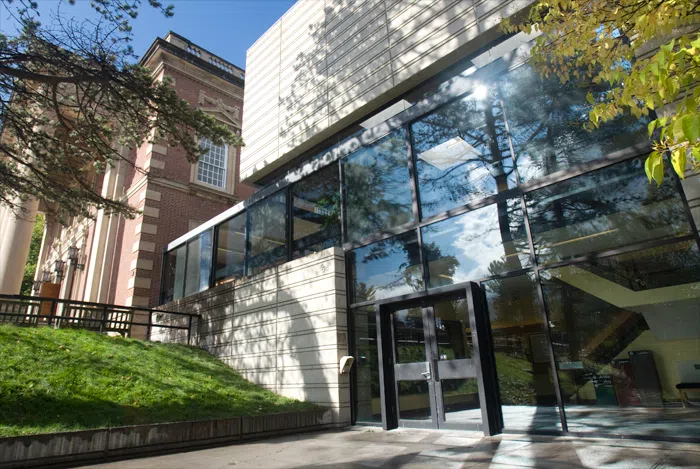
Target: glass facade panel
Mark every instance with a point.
(460, 399)
(453, 333)
(478, 244)
(462, 152)
(409, 337)
(387, 268)
(521, 348)
(626, 333)
(230, 250)
(604, 209)
(377, 187)
(367, 399)
(316, 212)
(414, 400)
(546, 123)
(268, 233)
(198, 264)
(174, 275)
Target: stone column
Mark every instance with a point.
(17, 236)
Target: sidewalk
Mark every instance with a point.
(370, 447)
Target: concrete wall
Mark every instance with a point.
(327, 63)
(284, 329)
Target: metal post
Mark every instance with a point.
(103, 322)
(54, 307)
(189, 331)
(150, 324)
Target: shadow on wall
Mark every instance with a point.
(284, 329)
(349, 55)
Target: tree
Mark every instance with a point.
(33, 258)
(71, 94)
(642, 56)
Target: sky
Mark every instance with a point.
(223, 27)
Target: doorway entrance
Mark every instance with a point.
(436, 362)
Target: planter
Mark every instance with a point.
(85, 446)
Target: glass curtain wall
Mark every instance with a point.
(591, 279)
(230, 249)
(590, 275)
(316, 212)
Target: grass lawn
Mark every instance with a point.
(60, 380)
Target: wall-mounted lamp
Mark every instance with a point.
(73, 257)
(58, 268)
(45, 276)
(37, 285)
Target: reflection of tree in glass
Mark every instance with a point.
(546, 123)
(482, 172)
(378, 194)
(604, 209)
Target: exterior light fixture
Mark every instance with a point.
(45, 276)
(37, 285)
(73, 257)
(58, 268)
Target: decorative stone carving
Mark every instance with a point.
(220, 110)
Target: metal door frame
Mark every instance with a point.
(484, 359)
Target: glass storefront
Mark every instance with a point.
(590, 276)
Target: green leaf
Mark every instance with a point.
(696, 154)
(669, 46)
(678, 130)
(652, 161)
(589, 98)
(652, 126)
(678, 161)
(691, 127)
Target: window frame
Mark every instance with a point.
(224, 169)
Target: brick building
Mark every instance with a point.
(119, 260)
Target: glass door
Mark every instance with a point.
(434, 369)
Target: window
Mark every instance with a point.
(174, 275)
(521, 349)
(367, 404)
(268, 240)
(390, 267)
(625, 331)
(605, 209)
(462, 152)
(546, 124)
(230, 250)
(198, 264)
(316, 212)
(211, 168)
(479, 244)
(378, 187)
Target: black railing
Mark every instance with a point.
(128, 321)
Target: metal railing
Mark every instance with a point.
(128, 321)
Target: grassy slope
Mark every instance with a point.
(58, 380)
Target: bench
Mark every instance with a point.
(685, 387)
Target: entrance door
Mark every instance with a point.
(432, 367)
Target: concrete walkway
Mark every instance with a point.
(370, 448)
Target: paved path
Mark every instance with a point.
(408, 449)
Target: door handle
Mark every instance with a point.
(426, 374)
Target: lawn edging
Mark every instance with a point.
(52, 449)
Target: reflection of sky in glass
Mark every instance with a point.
(205, 261)
(474, 241)
(388, 268)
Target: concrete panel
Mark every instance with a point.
(284, 328)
